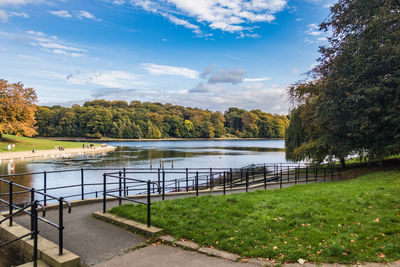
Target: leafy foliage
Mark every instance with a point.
(118, 119)
(17, 109)
(352, 105)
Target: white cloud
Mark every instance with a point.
(118, 2)
(86, 15)
(109, 79)
(19, 14)
(315, 35)
(225, 15)
(3, 16)
(170, 70)
(262, 79)
(50, 44)
(19, 2)
(61, 13)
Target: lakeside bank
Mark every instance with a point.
(54, 153)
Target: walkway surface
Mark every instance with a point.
(67, 152)
(97, 242)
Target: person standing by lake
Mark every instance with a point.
(9, 147)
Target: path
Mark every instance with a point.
(96, 241)
(67, 152)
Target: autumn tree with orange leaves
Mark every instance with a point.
(17, 109)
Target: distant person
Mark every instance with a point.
(13, 147)
(9, 147)
(33, 150)
(83, 146)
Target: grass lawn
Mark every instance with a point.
(344, 222)
(27, 144)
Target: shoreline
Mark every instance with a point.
(53, 153)
(83, 139)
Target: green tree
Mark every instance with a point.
(355, 91)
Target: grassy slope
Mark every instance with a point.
(346, 222)
(27, 144)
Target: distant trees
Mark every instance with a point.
(17, 109)
(118, 119)
(352, 104)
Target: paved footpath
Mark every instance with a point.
(97, 242)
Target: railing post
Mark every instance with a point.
(176, 186)
(224, 183)
(32, 200)
(120, 189)
(10, 200)
(45, 188)
(340, 176)
(324, 173)
(231, 176)
(148, 203)
(35, 232)
(211, 179)
(288, 173)
(125, 187)
(60, 225)
(197, 183)
(332, 174)
(104, 193)
(280, 178)
(82, 186)
(306, 175)
(265, 177)
(163, 185)
(187, 179)
(295, 174)
(247, 181)
(159, 181)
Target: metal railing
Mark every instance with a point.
(208, 180)
(31, 191)
(34, 228)
(132, 181)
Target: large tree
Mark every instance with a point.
(353, 93)
(17, 109)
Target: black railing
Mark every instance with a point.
(148, 181)
(34, 227)
(12, 205)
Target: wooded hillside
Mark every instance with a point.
(118, 119)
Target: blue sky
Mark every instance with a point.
(210, 54)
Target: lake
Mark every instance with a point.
(146, 154)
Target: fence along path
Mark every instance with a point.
(95, 241)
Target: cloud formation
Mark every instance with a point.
(5, 15)
(200, 88)
(232, 16)
(18, 2)
(170, 70)
(109, 79)
(61, 13)
(231, 76)
(81, 14)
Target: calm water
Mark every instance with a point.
(182, 154)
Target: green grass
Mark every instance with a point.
(27, 144)
(343, 222)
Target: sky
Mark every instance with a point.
(211, 54)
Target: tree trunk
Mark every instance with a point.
(342, 162)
